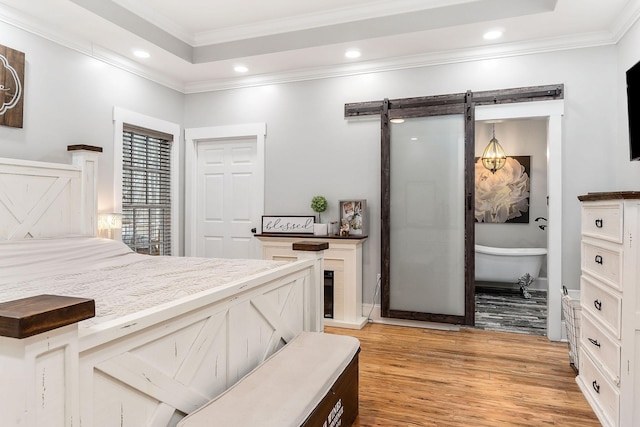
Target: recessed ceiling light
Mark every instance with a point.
(352, 53)
(397, 121)
(240, 69)
(493, 34)
(141, 53)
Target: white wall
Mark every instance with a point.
(311, 149)
(69, 99)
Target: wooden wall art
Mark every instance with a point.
(11, 87)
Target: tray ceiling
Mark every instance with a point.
(195, 44)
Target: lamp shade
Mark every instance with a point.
(109, 221)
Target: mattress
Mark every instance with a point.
(120, 281)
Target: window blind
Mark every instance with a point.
(146, 191)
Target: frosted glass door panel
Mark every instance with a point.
(427, 242)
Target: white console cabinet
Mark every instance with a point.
(344, 258)
(609, 349)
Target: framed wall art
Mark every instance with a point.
(11, 87)
(503, 196)
(353, 213)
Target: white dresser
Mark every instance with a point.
(609, 349)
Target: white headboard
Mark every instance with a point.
(39, 199)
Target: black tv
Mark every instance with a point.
(633, 107)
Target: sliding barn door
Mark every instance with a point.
(427, 200)
(427, 217)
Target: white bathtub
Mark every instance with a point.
(507, 264)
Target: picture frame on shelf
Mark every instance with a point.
(287, 224)
(353, 213)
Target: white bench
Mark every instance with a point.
(311, 381)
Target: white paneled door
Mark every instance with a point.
(228, 197)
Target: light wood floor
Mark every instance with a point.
(472, 378)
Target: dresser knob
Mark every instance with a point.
(596, 386)
(599, 223)
(599, 259)
(594, 342)
(597, 304)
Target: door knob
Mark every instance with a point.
(253, 230)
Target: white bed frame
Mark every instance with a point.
(150, 368)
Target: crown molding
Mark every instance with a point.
(114, 59)
(320, 19)
(137, 26)
(370, 10)
(19, 20)
(626, 19)
(150, 15)
(407, 62)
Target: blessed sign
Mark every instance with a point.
(288, 224)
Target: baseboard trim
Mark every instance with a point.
(375, 317)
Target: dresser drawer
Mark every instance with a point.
(604, 394)
(605, 263)
(599, 344)
(603, 304)
(603, 221)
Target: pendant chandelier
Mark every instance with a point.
(493, 157)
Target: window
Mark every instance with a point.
(146, 190)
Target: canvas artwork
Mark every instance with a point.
(11, 86)
(503, 196)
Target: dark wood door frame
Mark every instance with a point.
(461, 103)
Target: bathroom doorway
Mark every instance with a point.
(549, 112)
(506, 221)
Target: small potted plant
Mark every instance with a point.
(319, 204)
